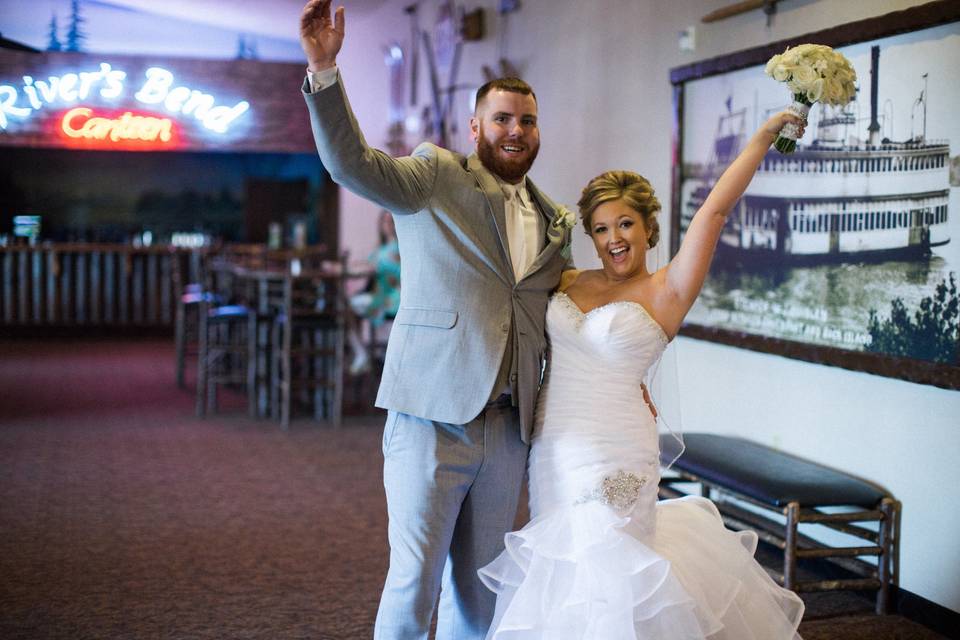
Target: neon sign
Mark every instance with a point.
(157, 90)
(110, 84)
(81, 122)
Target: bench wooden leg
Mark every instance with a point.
(790, 546)
(886, 563)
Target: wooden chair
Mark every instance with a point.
(308, 338)
(266, 292)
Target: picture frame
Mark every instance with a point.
(846, 252)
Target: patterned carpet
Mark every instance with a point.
(123, 516)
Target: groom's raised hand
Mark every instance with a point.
(321, 37)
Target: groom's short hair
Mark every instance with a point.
(513, 85)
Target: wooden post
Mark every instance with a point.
(790, 546)
(8, 286)
(166, 287)
(81, 297)
(95, 287)
(23, 288)
(152, 282)
(136, 288)
(123, 287)
(66, 274)
(52, 270)
(109, 287)
(37, 286)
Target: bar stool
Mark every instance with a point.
(308, 339)
(187, 310)
(187, 326)
(227, 341)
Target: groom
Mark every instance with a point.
(481, 249)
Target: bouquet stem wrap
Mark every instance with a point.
(786, 141)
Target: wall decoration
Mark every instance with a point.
(846, 252)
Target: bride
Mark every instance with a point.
(601, 558)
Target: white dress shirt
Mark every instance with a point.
(524, 226)
(320, 80)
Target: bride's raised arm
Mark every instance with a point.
(688, 269)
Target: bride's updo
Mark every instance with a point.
(632, 188)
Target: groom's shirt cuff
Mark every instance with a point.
(320, 80)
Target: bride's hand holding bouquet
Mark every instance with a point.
(813, 73)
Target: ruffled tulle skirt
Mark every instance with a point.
(586, 572)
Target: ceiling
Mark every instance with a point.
(277, 18)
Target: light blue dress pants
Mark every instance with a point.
(452, 493)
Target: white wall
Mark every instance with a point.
(600, 70)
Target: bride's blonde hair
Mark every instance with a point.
(635, 190)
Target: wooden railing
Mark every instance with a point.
(93, 284)
(87, 284)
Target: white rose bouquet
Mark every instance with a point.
(813, 73)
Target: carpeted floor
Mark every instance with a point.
(123, 516)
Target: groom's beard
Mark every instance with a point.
(508, 170)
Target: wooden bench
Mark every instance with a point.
(732, 470)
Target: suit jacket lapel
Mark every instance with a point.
(555, 236)
(491, 190)
(544, 205)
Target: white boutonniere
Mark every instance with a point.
(564, 219)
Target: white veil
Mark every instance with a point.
(663, 379)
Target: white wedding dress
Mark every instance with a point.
(601, 558)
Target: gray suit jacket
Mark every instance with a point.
(461, 309)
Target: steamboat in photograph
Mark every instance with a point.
(846, 196)
(858, 225)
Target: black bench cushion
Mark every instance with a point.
(765, 474)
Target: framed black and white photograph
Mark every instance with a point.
(847, 251)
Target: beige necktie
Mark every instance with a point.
(523, 229)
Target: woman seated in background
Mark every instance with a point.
(380, 299)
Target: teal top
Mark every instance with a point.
(386, 285)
